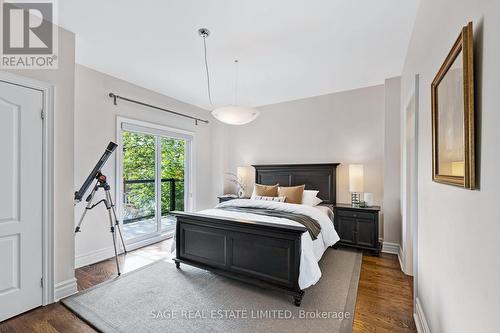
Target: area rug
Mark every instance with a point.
(161, 298)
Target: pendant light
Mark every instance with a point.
(229, 114)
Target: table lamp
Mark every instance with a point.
(356, 182)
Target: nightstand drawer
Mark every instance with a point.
(354, 214)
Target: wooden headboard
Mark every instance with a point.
(321, 177)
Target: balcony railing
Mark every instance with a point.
(139, 198)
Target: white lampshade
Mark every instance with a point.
(235, 115)
(244, 174)
(356, 178)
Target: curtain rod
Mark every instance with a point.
(115, 97)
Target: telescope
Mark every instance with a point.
(101, 182)
(95, 172)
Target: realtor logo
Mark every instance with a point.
(29, 35)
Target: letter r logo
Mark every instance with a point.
(27, 28)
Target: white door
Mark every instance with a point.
(20, 199)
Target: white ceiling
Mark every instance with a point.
(287, 49)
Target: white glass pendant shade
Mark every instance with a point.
(235, 115)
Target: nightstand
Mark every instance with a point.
(358, 226)
(224, 198)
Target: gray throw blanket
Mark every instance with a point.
(312, 226)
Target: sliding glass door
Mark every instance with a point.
(139, 192)
(154, 169)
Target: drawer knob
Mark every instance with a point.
(355, 215)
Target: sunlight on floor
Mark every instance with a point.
(144, 227)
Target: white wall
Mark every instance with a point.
(392, 165)
(458, 266)
(95, 126)
(63, 81)
(345, 127)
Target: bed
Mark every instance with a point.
(266, 251)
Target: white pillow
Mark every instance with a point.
(309, 198)
(260, 197)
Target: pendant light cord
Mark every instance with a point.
(208, 73)
(236, 82)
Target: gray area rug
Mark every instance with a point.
(160, 298)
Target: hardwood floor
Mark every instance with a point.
(385, 297)
(384, 302)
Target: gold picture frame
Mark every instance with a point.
(452, 94)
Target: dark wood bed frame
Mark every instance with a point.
(260, 253)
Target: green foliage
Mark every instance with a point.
(139, 164)
(172, 166)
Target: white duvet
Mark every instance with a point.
(312, 251)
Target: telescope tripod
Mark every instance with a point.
(113, 221)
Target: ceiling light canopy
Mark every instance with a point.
(230, 114)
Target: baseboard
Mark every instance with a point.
(65, 289)
(420, 320)
(394, 248)
(401, 258)
(94, 256)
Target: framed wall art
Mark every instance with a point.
(452, 97)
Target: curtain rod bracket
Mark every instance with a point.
(113, 96)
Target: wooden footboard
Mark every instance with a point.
(260, 253)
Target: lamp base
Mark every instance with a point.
(355, 199)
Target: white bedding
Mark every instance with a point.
(312, 251)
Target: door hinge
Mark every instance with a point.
(42, 114)
(41, 282)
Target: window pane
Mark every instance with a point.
(139, 203)
(172, 185)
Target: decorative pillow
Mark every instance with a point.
(310, 198)
(278, 199)
(266, 190)
(316, 201)
(293, 194)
